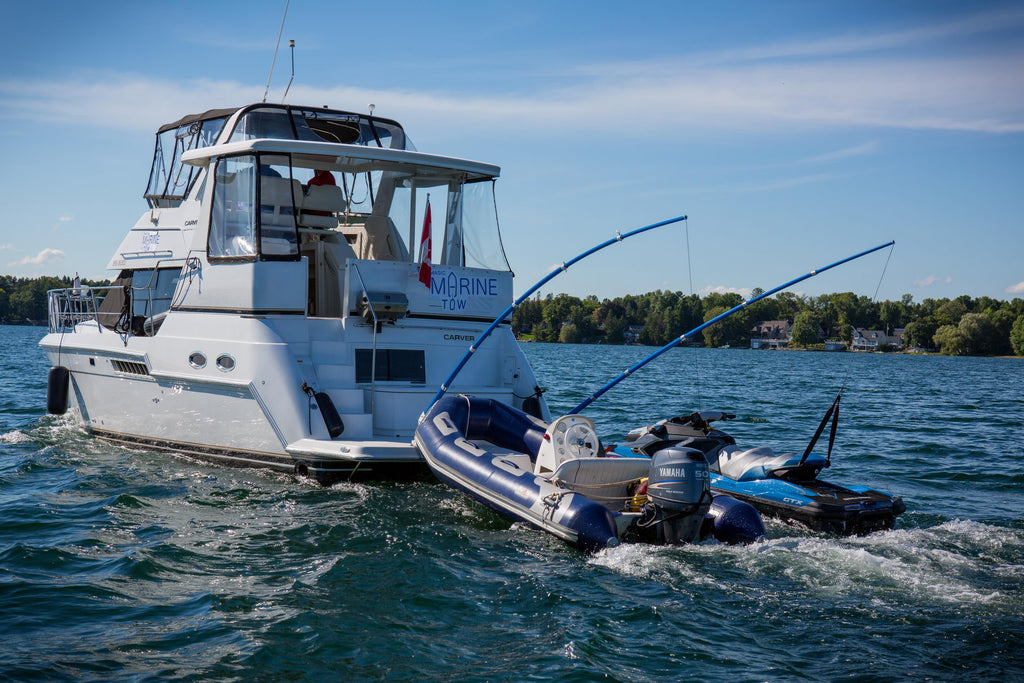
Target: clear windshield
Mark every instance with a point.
(169, 179)
(464, 224)
(319, 125)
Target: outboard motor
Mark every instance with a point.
(679, 491)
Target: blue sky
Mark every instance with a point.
(792, 133)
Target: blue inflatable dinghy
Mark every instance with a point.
(556, 477)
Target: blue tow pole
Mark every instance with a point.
(547, 278)
(676, 342)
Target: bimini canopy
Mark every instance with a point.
(349, 158)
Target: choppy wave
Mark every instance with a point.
(130, 565)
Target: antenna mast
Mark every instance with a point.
(274, 60)
(291, 44)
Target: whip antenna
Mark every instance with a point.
(274, 60)
(291, 44)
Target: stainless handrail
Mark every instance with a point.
(376, 325)
(69, 306)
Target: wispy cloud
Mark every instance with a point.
(978, 95)
(745, 292)
(840, 154)
(1015, 289)
(967, 26)
(761, 185)
(45, 256)
(933, 280)
(6, 246)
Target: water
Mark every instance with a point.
(133, 565)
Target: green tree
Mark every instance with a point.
(978, 333)
(731, 330)
(891, 314)
(1002, 324)
(949, 340)
(805, 329)
(1017, 336)
(920, 333)
(950, 312)
(569, 334)
(614, 326)
(527, 315)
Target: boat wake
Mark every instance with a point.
(972, 565)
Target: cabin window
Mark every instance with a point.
(246, 213)
(393, 365)
(233, 223)
(279, 237)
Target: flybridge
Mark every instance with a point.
(170, 180)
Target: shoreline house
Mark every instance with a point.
(871, 340)
(631, 335)
(771, 334)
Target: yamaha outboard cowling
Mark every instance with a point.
(679, 489)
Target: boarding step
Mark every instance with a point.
(357, 425)
(336, 375)
(378, 450)
(347, 400)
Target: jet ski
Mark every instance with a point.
(781, 485)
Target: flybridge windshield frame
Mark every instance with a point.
(287, 122)
(169, 180)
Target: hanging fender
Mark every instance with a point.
(330, 414)
(57, 383)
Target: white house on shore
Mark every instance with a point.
(771, 334)
(870, 340)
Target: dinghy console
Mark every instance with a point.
(567, 438)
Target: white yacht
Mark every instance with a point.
(273, 307)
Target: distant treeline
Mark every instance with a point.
(960, 326)
(23, 299)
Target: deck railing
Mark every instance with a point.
(71, 306)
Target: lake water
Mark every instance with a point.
(134, 565)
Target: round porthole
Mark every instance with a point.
(197, 360)
(225, 363)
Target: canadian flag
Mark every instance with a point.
(425, 249)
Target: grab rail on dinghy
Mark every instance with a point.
(543, 281)
(682, 338)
